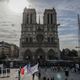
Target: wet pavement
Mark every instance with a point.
(48, 74)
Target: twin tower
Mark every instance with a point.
(39, 42)
(29, 16)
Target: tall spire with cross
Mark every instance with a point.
(79, 22)
(79, 30)
(78, 16)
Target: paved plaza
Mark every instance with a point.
(48, 74)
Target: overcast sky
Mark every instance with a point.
(67, 10)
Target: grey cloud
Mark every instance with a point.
(4, 0)
(6, 31)
(65, 3)
(8, 37)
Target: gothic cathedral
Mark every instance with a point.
(39, 41)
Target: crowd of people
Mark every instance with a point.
(59, 67)
(73, 68)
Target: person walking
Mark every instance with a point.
(39, 75)
(44, 78)
(33, 75)
(52, 78)
(67, 73)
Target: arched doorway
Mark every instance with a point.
(51, 54)
(40, 55)
(27, 55)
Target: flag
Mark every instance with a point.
(25, 69)
(28, 70)
(22, 71)
(34, 69)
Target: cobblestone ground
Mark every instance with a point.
(48, 74)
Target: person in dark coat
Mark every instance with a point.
(33, 75)
(52, 78)
(66, 79)
(47, 78)
(39, 75)
(66, 72)
(44, 78)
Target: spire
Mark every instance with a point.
(25, 9)
(78, 26)
(78, 20)
(39, 19)
(78, 17)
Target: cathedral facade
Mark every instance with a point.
(39, 41)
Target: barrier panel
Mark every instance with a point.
(4, 72)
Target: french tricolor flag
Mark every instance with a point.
(25, 69)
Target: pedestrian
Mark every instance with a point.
(53, 78)
(33, 75)
(18, 74)
(66, 79)
(77, 67)
(39, 75)
(66, 72)
(47, 78)
(44, 78)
